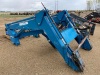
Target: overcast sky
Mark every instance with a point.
(29, 5)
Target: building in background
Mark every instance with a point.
(93, 4)
(98, 6)
(97, 3)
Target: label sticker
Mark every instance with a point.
(23, 23)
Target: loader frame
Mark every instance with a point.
(43, 23)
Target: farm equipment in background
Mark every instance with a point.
(93, 17)
(83, 25)
(22, 13)
(58, 36)
(79, 23)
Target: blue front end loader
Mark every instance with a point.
(59, 38)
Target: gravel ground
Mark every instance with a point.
(35, 56)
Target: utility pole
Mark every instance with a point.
(56, 5)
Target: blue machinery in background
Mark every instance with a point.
(58, 36)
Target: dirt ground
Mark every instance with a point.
(35, 56)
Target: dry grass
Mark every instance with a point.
(35, 56)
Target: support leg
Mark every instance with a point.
(86, 45)
(73, 59)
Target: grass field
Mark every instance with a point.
(12, 16)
